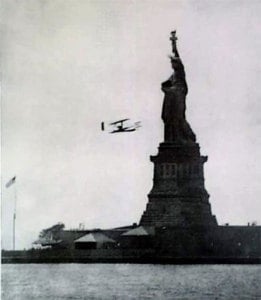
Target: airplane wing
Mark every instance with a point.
(123, 120)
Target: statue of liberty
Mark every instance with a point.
(177, 129)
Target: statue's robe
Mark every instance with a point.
(175, 88)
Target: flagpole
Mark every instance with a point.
(8, 184)
(14, 216)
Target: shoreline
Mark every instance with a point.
(140, 257)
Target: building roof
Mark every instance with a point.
(94, 237)
(45, 242)
(140, 231)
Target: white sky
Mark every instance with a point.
(68, 65)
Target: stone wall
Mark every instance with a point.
(238, 241)
(220, 241)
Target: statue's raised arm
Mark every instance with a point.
(178, 78)
(175, 57)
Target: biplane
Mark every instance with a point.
(118, 126)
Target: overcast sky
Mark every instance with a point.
(68, 65)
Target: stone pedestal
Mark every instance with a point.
(178, 196)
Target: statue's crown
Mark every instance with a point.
(174, 58)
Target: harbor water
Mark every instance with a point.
(130, 281)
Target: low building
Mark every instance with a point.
(94, 240)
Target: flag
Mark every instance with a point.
(10, 182)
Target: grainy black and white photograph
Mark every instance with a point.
(130, 149)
